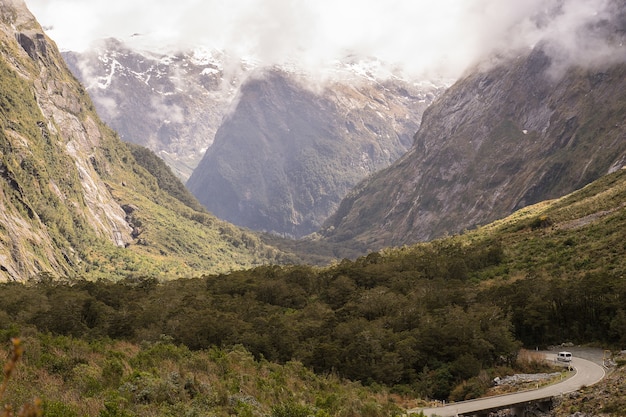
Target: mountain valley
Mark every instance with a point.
(495, 230)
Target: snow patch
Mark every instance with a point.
(205, 57)
(105, 82)
(210, 71)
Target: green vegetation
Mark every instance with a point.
(166, 179)
(105, 378)
(435, 320)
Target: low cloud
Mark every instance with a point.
(167, 112)
(108, 105)
(429, 39)
(587, 34)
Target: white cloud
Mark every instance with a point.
(440, 37)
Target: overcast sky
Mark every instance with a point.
(441, 37)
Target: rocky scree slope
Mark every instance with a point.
(73, 199)
(285, 157)
(497, 140)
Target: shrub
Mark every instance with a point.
(112, 409)
(468, 390)
(58, 409)
(531, 362)
(29, 409)
(291, 409)
(541, 222)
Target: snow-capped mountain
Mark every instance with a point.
(175, 103)
(172, 104)
(178, 104)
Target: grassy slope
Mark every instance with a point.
(576, 234)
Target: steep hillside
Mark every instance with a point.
(286, 155)
(496, 141)
(172, 104)
(73, 199)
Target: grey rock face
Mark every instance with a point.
(286, 155)
(52, 158)
(496, 141)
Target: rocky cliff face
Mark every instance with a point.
(51, 149)
(171, 104)
(497, 140)
(286, 155)
(73, 199)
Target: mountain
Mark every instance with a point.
(74, 200)
(499, 139)
(170, 103)
(287, 154)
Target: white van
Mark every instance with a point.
(564, 356)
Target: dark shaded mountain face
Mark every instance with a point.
(286, 155)
(171, 104)
(496, 141)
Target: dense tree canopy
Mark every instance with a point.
(417, 317)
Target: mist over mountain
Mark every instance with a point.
(425, 39)
(497, 140)
(170, 103)
(286, 155)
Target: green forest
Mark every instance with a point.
(435, 320)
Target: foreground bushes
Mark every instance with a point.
(362, 320)
(421, 320)
(118, 379)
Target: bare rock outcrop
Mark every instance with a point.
(53, 157)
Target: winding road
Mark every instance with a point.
(587, 373)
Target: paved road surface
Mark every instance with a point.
(587, 373)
